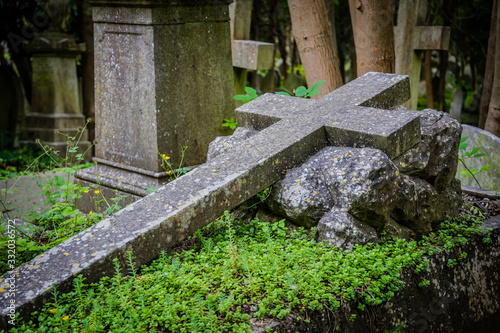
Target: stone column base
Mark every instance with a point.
(113, 181)
(44, 126)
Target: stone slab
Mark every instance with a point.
(432, 38)
(26, 196)
(171, 214)
(490, 145)
(253, 55)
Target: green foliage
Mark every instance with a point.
(231, 123)
(474, 153)
(304, 92)
(238, 269)
(250, 96)
(59, 218)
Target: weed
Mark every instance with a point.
(238, 270)
(59, 218)
(474, 153)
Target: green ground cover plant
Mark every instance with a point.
(232, 269)
(58, 219)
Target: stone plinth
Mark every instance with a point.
(162, 79)
(55, 98)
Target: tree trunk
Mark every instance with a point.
(443, 67)
(373, 29)
(315, 43)
(490, 68)
(428, 65)
(492, 123)
(428, 79)
(86, 31)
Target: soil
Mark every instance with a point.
(489, 206)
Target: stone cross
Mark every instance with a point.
(247, 54)
(410, 38)
(292, 130)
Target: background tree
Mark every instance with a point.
(373, 29)
(19, 21)
(492, 122)
(314, 39)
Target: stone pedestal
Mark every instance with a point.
(55, 98)
(162, 79)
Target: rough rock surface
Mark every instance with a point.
(353, 195)
(341, 229)
(223, 143)
(435, 158)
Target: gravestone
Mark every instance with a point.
(411, 38)
(55, 104)
(247, 54)
(161, 74)
(490, 145)
(353, 115)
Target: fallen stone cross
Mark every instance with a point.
(294, 129)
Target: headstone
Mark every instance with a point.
(247, 54)
(161, 81)
(457, 102)
(353, 115)
(410, 38)
(490, 145)
(12, 97)
(55, 104)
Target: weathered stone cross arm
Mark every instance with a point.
(348, 116)
(352, 115)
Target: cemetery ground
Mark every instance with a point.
(238, 273)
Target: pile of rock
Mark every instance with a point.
(353, 195)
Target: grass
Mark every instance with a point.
(232, 270)
(59, 219)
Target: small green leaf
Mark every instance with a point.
(282, 93)
(300, 91)
(250, 91)
(475, 150)
(485, 167)
(317, 85)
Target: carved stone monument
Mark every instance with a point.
(55, 94)
(162, 80)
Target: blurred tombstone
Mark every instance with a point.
(55, 94)
(247, 54)
(410, 38)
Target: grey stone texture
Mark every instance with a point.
(253, 55)
(169, 215)
(353, 194)
(55, 95)
(490, 145)
(163, 79)
(435, 158)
